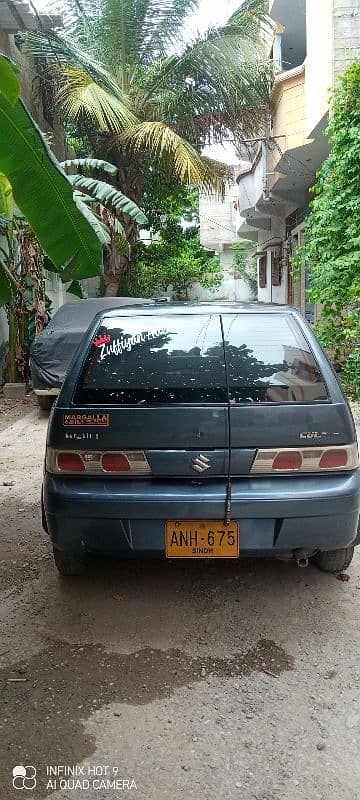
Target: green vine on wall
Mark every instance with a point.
(245, 266)
(332, 233)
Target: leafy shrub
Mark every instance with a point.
(179, 259)
(244, 266)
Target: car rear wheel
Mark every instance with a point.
(334, 560)
(68, 564)
(45, 401)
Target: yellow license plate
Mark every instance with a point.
(195, 538)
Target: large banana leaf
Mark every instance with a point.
(108, 196)
(90, 163)
(9, 83)
(95, 221)
(44, 195)
(6, 198)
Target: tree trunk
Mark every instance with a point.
(120, 267)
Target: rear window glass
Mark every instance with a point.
(270, 361)
(154, 360)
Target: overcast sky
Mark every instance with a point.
(210, 12)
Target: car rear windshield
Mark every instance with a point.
(270, 361)
(181, 359)
(155, 360)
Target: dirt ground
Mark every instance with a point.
(149, 676)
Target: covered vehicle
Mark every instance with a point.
(53, 348)
(202, 432)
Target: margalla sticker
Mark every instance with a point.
(126, 344)
(86, 420)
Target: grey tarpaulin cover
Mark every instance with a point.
(53, 349)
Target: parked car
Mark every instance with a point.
(53, 349)
(202, 431)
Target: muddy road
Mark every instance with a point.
(166, 681)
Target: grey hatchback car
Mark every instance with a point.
(201, 431)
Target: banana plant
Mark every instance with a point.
(102, 204)
(40, 188)
(37, 197)
(59, 210)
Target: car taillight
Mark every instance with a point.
(114, 462)
(287, 459)
(70, 462)
(306, 459)
(334, 459)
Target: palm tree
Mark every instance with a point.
(145, 99)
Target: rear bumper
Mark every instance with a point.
(276, 515)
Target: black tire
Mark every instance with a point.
(45, 401)
(334, 560)
(68, 564)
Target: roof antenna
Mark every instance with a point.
(227, 516)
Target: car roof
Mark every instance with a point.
(174, 309)
(77, 315)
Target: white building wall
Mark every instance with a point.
(218, 232)
(55, 290)
(319, 60)
(333, 42)
(346, 34)
(217, 219)
(231, 288)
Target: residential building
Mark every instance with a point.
(217, 217)
(313, 43)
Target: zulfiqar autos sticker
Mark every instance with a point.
(118, 346)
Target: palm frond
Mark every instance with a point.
(168, 29)
(89, 164)
(227, 98)
(137, 32)
(59, 52)
(187, 164)
(81, 97)
(108, 196)
(223, 171)
(256, 9)
(212, 84)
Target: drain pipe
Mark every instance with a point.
(301, 558)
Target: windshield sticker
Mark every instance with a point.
(102, 340)
(119, 346)
(86, 420)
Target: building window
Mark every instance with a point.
(262, 272)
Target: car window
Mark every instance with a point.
(147, 360)
(269, 360)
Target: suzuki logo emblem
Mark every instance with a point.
(201, 463)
